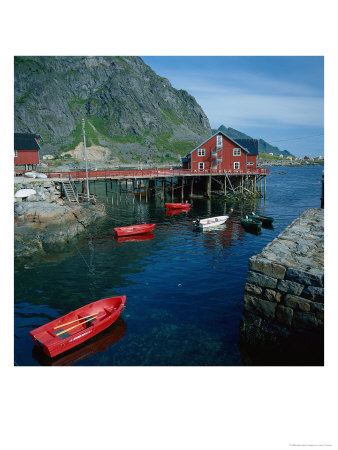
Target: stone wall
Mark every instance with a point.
(284, 292)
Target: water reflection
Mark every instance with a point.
(136, 238)
(173, 212)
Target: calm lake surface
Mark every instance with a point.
(184, 288)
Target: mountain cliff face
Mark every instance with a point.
(129, 110)
(263, 146)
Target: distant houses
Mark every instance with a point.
(222, 153)
(26, 150)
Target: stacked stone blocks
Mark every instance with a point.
(284, 292)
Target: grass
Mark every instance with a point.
(23, 98)
(267, 156)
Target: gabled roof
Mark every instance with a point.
(26, 141)
(250, 144)
(228, 137)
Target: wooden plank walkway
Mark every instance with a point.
(151, 173)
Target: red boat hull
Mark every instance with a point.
(177, 205)
(75, 328)
(134, 229)
(101, 342)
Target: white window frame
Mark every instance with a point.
(239, 165)
(250, 163)
(201, 152)
(236, 152)
(219, 141)
(201, 166)
(15, 153)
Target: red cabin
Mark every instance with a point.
(26, 149)
(222, 153)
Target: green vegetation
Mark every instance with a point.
(124, 64)
(21, 100)
(262, 155)
(171, 115)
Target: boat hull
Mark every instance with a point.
(251, 224)
(75, 328)
(177, 205)
(264, 219)
(134, 229)
(205, 224)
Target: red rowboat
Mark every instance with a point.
(77, 326)
(99, 343)
(177, 205)
(134, 229)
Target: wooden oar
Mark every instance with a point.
(68, 329)
(76, 320)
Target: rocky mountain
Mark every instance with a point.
(131, 113)
(263, 146)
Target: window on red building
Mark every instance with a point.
(201, 166)
(237, 165)
(201, 152)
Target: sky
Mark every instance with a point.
(277, 98)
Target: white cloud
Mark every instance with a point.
(242, 99)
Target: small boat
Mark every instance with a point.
(23, 193)
(264, 219)
(41, 175)
(251, 224)
(134, 229)
(203, 224)
(99, 343)
(177, 205)
(77, 326)
(30, 174)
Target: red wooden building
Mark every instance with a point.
(222, 153)
(26, 149)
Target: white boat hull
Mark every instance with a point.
(211, 222)
(22, 193)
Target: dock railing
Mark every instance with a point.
(153, 173)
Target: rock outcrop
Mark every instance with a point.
(129, 109)
(41, 221)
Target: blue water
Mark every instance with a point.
(184, 288)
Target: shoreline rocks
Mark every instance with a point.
(44, 219)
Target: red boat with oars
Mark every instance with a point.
(177, 205)
(134, 229)
(78, 326)
(99, 343)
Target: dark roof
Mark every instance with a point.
(250, 144)
(26, 141)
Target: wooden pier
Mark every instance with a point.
(181, 183)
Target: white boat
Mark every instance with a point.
(30, 174)
(23, 193)
(41, 175)
(203, 224)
